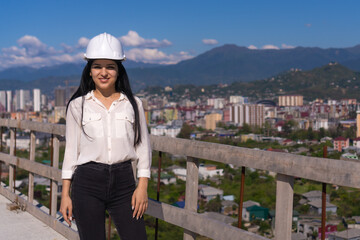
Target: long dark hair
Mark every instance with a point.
(122, 85)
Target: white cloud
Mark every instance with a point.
(67, 48)
(83, 42)
(285, 46)
(30, 51)
(149, 55)
(14, 51)
(210, 41)
(269, 46)
(252, 47)
(34, 47)
(133, 39)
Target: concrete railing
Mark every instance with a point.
(287, 166)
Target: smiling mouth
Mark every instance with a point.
(103, 80)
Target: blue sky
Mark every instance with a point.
(40, 33)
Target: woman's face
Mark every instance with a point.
(104, 73)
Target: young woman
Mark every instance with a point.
(105, 132)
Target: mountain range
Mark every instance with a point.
(225, 64)
(333, 81)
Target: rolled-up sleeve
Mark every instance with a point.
(73, 131)
(143, 150)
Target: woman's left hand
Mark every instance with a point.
(139, 201)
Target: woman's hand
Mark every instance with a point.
(139, 201)
(66, 203)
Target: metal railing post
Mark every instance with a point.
(242, 186)
(191, 191)
(158, 193)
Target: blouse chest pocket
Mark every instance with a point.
(93, 126)
(124, 125)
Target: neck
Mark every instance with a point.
(101, 93)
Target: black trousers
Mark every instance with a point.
(97, 187)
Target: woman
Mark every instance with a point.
(105, 131)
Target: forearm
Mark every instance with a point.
(65, 187)
(143, 183)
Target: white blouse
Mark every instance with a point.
(109, 135)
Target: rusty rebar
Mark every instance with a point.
(109, 228)
(240, 208)
(51, 164)
(158, 192)
(323, 204)
(1, 149)
(1, 140)
(14, 176)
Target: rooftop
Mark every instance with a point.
(15, 225)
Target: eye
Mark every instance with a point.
(96, 67)
(110, 67)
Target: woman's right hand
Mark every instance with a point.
(66, 209)
(66, 203)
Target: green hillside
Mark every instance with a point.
(330, 81)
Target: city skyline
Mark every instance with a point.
(46, 33)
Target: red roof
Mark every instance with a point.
(275, 150)
(304, 114)
(340, 139)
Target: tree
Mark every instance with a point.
(214, 205)
(62, 121)
(185, 131)
(310, 133)
(322, 133)
(288, 126)
(246, 128)
(314, 235)
(352, 115)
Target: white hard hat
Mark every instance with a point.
(104, 46)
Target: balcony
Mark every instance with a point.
(287, 166)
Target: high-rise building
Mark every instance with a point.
(218, 103)
(9, 101)
(251, 114)
(60, 97)
(37, 103)
(43, 100)
(212, 119)
(238, 99)
(22, 97)
(291, 100)
(19, 100)
(2, 101)
(70, 91)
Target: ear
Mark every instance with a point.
(90, 74)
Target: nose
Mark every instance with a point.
(103, 71)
